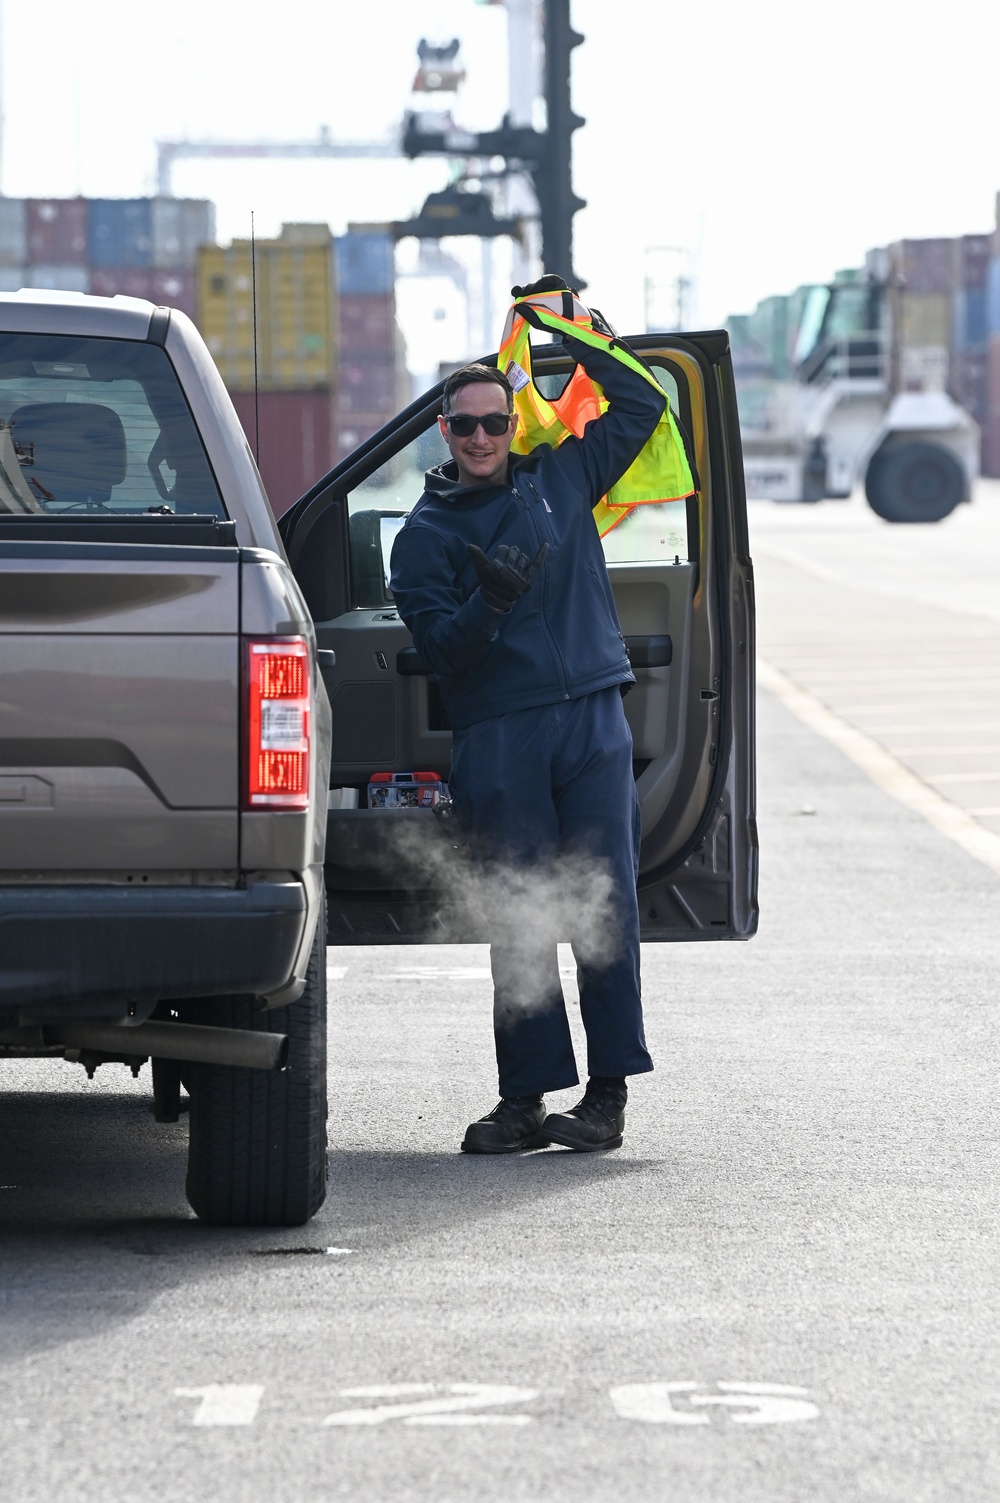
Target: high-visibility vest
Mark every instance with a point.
(662, 471)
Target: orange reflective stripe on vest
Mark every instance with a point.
(660, 472)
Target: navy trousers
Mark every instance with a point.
(549, 793)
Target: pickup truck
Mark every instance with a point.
(164, 749)
(175, 792)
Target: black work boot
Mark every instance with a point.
(596, 1122)
(511, 1126)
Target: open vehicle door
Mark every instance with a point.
(683, 584)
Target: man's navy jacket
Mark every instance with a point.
(561, 639)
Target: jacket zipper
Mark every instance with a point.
(560, 661)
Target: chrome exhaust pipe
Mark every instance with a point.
(195, 1042)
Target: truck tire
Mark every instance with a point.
(257, 1151)
(915, 482)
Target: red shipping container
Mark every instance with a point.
(352, 428)
(922, 265)
(971, 261)
(57, 231)
(292, 434)
(366, 385)
(126, 281)
(172, 289)
(367, 325)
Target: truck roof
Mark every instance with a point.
(38, 311)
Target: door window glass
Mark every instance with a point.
(397, 485)
(94, 426)
(655, 531)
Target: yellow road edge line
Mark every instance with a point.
(883, 768)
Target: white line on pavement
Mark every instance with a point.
(883, 769)
(224, 1403)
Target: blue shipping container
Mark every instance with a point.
(993, 299)
(969, 326)
(119, 232)
(365, 263)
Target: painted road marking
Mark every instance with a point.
(746, 1403)
(883, 768)
(224, 1403)
(336, 972)
(677, 1404)
(452, 1405)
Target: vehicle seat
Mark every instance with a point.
(80, 450)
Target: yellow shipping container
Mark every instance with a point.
(296, 310)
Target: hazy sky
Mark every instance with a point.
(774, 141)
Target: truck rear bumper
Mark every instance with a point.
(88, 951)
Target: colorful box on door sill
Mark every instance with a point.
(405, 790)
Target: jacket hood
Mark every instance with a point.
(443, 481)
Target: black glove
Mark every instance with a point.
(548, 283)
(507, 575)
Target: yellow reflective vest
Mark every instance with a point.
(662, 471)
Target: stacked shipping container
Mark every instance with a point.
(920, 299)
(141, 247)
(967, 373)
(991, 428)
(280, 370)
(324, 368)
(373, 384)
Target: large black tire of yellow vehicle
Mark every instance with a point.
(257, 1151)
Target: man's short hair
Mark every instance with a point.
(477, 372)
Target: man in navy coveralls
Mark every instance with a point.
(500, 576)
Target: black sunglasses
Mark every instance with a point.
(464, 425)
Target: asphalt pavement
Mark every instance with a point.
(782, 1288)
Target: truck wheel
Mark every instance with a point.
(916, 482)
(257, 1153)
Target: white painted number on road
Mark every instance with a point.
(434, 1404)
(683, 1403)
(224, 1403)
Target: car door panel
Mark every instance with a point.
(682, 581)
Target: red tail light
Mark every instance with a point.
(278, 705)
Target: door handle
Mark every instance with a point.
(409, 663)
(649, 652)
(326, 658)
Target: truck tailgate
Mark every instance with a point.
(119, 709)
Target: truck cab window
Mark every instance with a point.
(97, 426)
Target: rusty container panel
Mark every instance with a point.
(57, 231)
(352, 428)
(970, 260)
(922, 266)
(367, 325)
(367, 384)
(171, 289)
(292, 434)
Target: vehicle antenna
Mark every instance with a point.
(253, 299)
